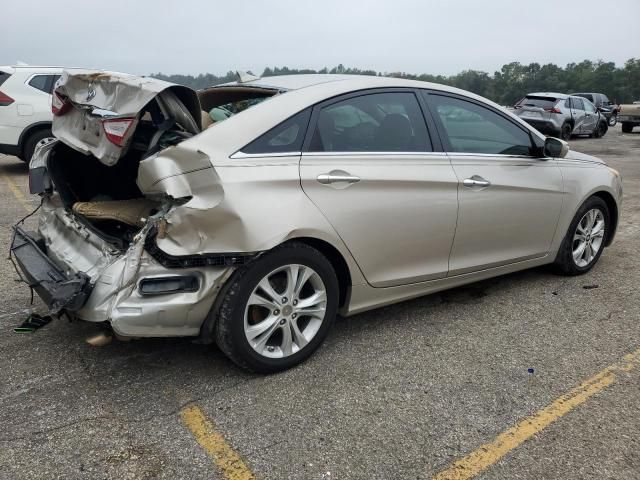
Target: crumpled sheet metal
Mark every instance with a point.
(96, 95)
(233, 209)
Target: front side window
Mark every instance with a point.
(377, 122)
(588, 106)
(472, 128)
(285, 137)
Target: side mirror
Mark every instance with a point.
(556, 148)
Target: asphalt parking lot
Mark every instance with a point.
(402, 392)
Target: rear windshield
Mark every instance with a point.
(540, 102)
(3, 77)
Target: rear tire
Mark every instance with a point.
(31, 142)
(288, 336)
(588, 229)
(565, 131)
(627, 127)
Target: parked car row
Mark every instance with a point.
(562, 115)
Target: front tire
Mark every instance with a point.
(585, 239)
(278, 309)
(613, 119)
(600, 130)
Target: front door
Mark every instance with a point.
(578, 114)
(369, 166)
(591, 117)
(509, 201)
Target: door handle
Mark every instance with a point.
(476, 181)
(337, 176)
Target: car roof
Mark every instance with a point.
(560, 96)
(34, 68)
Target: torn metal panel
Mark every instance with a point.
(96, 97)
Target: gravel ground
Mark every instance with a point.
(400, 392)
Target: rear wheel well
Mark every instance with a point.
(613, 214)
(337, 261)
(29, 131)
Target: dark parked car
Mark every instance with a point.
(602, 103)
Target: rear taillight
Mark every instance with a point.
(59, 104)
(116, 129)
(5, 100)
(553, 110)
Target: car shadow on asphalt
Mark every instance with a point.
(207, 361)
(16, 167)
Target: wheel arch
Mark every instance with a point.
(613, 213)
(336, 259)
(30, 130)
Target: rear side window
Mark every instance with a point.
(472, 128)
(577, 103)
(541, 102)
(3, 77)
(285, 137)
(376, 122)
(588, 96)
(41, 82)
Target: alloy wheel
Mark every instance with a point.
(588, 237)
(285, 311)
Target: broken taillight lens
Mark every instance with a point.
(5, 100)
(116, 129)
(59, 104)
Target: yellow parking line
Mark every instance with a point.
(17, 192)
(223, 454)
(490, 453)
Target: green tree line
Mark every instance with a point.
(506, 86)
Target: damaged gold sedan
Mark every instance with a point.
(250, 214)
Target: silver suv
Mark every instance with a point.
(561, 115)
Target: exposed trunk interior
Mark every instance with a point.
(107, 198)
(81, 179)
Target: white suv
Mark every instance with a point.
(25, 107)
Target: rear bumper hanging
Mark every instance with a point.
(57, 289)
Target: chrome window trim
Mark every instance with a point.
(367, 153)
(501, 155)
(242, 155)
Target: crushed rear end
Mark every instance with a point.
(117, 170)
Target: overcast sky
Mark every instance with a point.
(429, 36)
